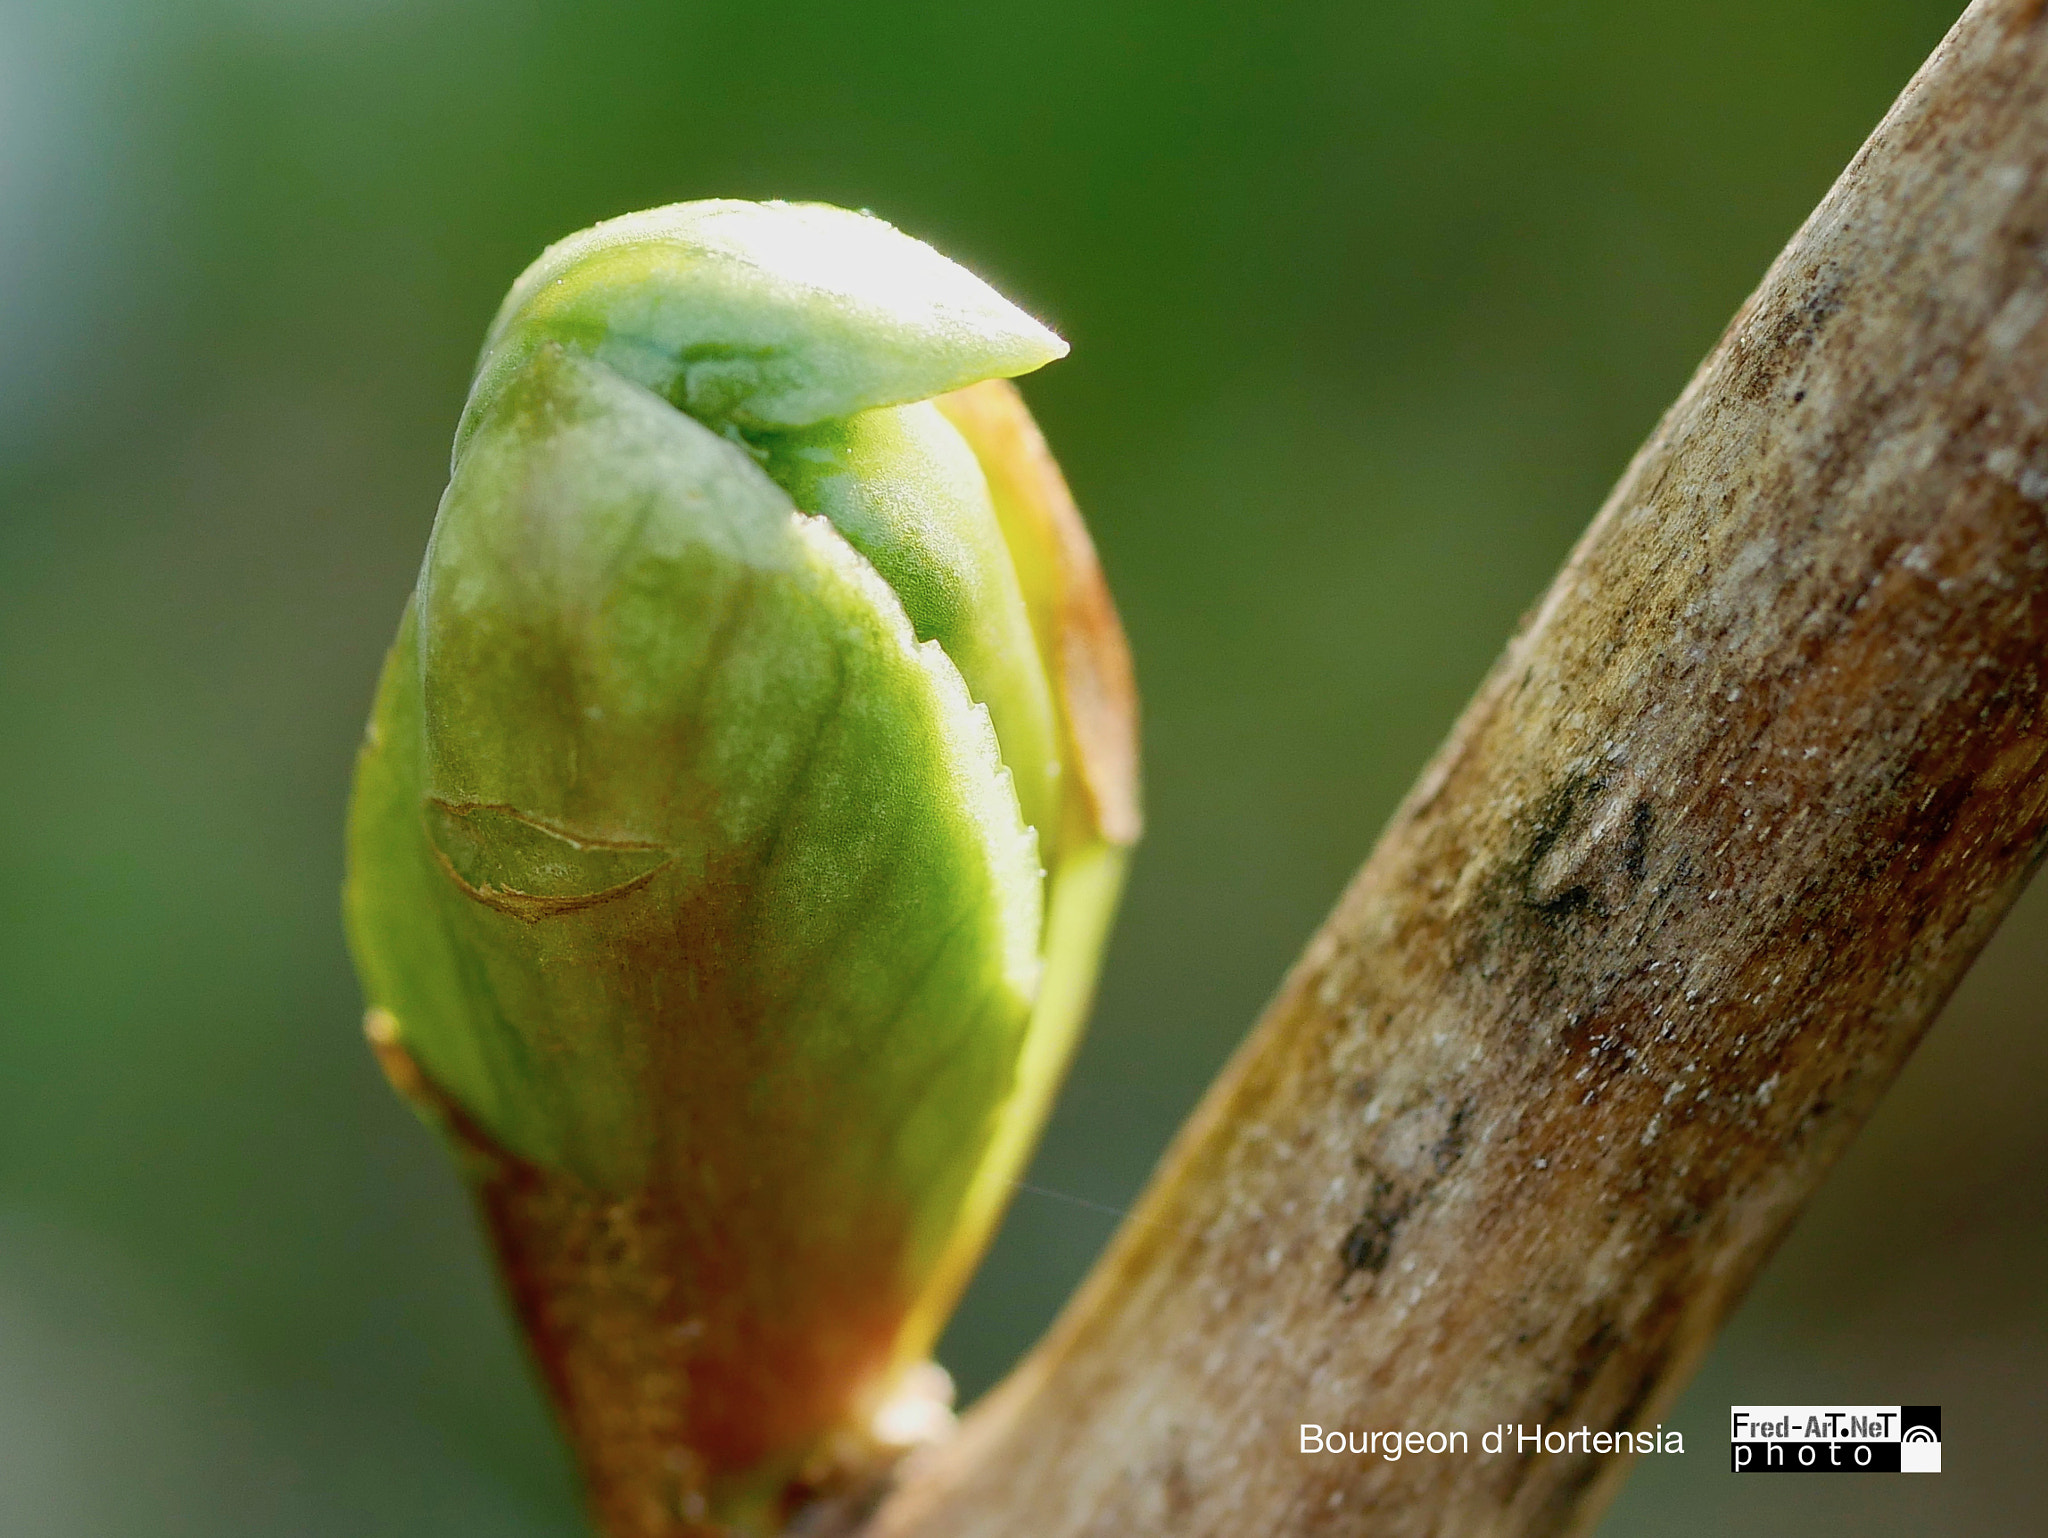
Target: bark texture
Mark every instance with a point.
(1640, 951)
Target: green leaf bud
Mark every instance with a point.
(741, 815)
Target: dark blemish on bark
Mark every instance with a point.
(1553, 818)
(1648, 1376)
(1450, 1148)
(1814, 1116)
(1573, 1485)
(1573, 900)
(1370, 1243)
(1636, 856)
(1422, 1156)
(1683, 1222)
(1762, 358)
(1594, 1353)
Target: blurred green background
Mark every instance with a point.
(1369, 303)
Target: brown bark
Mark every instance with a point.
(1645, 944)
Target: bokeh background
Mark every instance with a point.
(1370, 302)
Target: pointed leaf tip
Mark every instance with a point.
(763, 315)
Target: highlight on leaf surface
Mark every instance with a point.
(741, 816)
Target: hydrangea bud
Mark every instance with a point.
(737, 830)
